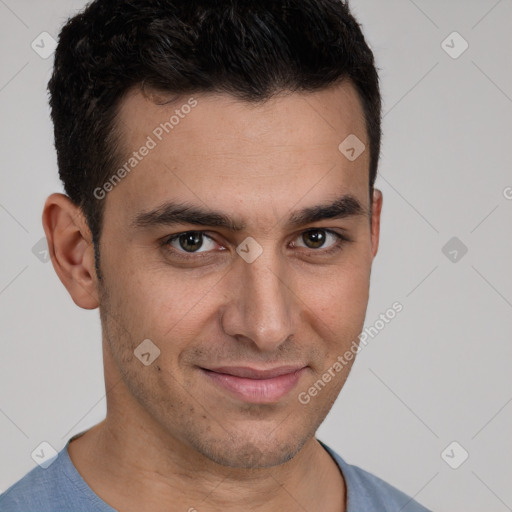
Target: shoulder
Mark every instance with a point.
(368, 492)
(57, 488)
(35, 491)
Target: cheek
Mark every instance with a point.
(338, 301)
(164, 305)
(336, 313)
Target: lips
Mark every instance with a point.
(254, 385)
(251, 373)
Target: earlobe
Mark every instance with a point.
(71, 249)
(375, 227)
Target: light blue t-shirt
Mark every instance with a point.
(60, 488)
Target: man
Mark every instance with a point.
(219, 161)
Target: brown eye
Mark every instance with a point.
(314, 239)
(190, 242)
(318, 241)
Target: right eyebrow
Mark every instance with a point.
(171, 213)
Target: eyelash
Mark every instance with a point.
(341, 241)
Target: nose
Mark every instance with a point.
(262, 307)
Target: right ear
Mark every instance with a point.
(71, 249)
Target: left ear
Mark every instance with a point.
(71, 249)
(375, 225)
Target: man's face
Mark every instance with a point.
(301, 303)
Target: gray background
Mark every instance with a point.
(438, 373)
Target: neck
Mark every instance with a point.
(132, 470)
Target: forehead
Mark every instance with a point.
(216, 150)
(303, 115)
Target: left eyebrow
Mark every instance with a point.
(171, 213)
(343, 207)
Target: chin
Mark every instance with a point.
(244, 454)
